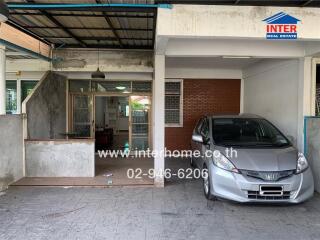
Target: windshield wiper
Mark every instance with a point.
(254, 145)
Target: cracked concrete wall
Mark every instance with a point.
(313, 148)
(86, 60)
(60, 158)
(11, 157)
(46, 109)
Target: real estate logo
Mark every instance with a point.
(281, 26)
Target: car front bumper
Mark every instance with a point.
(241, 188)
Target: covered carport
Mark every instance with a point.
(275, 75)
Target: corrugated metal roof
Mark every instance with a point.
(114, 29)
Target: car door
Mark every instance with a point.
(196, 146)
(204, 147)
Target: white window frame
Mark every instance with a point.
(180, 124)
(18, 81)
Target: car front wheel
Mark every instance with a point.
(207, 186)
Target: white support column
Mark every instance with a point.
(2, 80)
(305, 98)
(18, 95)
(158, 117)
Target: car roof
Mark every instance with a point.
(241, 115)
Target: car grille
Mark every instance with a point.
(269, 192)
(268, 176)
(256, 195)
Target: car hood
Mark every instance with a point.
(265, 159)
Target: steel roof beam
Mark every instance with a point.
(22, 29)
(145, 47)
(90, 28)
(307, 3)
(97, 38)
(111, 26)
(104, 7)
(57, 23)
(78, 15)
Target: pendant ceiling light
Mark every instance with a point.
(4, 11)
(98, 74)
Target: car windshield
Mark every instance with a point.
(250, 132)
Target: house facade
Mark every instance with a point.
(206, 60)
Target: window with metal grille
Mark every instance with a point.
(173, 103)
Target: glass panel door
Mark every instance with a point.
(139, 126)
(82, 115)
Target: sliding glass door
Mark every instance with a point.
(139, 123)
(82, 121)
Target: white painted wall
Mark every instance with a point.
(270, 89)
(204, 73)
(212, 47)
(205, 67)
(231, 21)
(27, 65)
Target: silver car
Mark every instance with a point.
(249, 160)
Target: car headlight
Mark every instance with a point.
(302, 163)
(222, 162)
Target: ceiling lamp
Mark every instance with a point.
(120, 88)
(4, 11)
(98, 74)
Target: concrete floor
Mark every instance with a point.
(178, 211)
(116, 166)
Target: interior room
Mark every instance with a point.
(112, 122)
(121, 124)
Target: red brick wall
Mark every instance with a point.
(202, 97)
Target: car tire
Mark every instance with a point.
(206, 184)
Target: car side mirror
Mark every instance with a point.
(197, 138)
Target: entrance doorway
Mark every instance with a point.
(122, 122)
(117, 114)
(111, 122)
